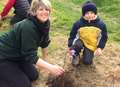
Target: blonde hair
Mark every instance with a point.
(39, 3)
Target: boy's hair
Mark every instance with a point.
(89, 6)
(39, 3)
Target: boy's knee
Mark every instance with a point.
(86, 62)
(77, 46)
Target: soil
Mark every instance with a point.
(105, 71)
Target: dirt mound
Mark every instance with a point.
(62, 81)
(105, 72)
(82, 76)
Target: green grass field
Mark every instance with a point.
(66, 12)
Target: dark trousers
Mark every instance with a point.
(87, 53)
(17, 74)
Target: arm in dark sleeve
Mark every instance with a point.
(45, 42)
(7, 7)
(104, 37)
(29, 45)
(73, 34)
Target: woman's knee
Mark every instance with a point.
(34, 77)
(23, 83)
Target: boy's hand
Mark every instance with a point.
(98, 51)
(69, 54)
(69, 51)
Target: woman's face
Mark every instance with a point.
(43, 14)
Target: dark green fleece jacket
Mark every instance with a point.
(22, 42)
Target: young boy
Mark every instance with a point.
(88, 34)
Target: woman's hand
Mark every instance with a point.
(53, 69)
(56, 70)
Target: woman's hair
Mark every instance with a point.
(39, 3)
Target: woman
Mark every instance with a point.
(18, 48)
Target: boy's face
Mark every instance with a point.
(90, 16)
(43, 14)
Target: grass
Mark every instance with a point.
(63, 15)
(66, 12)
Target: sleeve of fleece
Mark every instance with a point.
(7, 7)
(104, 37)
(45, 42)
(29, 45)
(73, 34)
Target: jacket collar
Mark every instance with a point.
(92, 21)
(43, 28)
